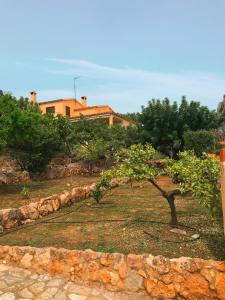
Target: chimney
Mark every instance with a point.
(33, 97)
(84, 100)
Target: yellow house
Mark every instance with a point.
(74, 109)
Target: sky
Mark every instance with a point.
(125, 52)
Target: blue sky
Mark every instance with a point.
(125, 52)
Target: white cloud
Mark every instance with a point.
(126, 89)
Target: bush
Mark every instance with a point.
(200, 141)
(25, 192)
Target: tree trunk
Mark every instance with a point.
(170, 197)
(173, 212)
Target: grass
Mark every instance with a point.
(134, 205)
(10, 194)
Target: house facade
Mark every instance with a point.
(74, 109)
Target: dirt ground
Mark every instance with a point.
(10, 195)
(121, 222)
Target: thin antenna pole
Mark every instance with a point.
(74, 86)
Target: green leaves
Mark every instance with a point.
(164, 123)
(200, 141)
(200, 176)
(134, 163)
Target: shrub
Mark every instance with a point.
(200, 141)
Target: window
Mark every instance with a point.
(67, 111)
(50, 110)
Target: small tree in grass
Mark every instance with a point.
(200, 176)
(135, 163)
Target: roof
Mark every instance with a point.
(104, 113)
(95, 107)
(106, 110)
(59, 100)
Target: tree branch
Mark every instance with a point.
(153, 182)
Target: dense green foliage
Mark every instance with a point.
(96, 141)
(29, 136)
(34, 138)
(200, 141)
(134, 163)
(200, 176)
(164, 123)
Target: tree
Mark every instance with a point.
(86, 131)
(28, 135)
(66, 134)
(164, 123)
(91, 152)
(200, 176)
(200, 141)
(159, 120)
(33, 139)
(136, 164)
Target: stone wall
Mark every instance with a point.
(13, 217)
(158, 277)
(55, 171)
(11, 172)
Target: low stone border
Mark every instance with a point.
(159, 277)
(13, 217)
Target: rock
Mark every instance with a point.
(45, 206)
(26, 261)
(48, 293)
(65, 198)
(157, 289)
(195, 236)
(30, 211)
(1, 229)
(11, 172)
(133, 281)
(37, 287)
(134, 261)
(7, 296)
(55, 202)
(28, 221)
(11, 217)
(161, 265)
(220, 285)
(106, 259)
(3, 178)
(197, 286)
(25, 293)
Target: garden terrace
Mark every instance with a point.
(11, 194)
(120, 223)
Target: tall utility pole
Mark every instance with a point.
(74, 85)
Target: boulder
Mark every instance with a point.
(29, 211)
(11, 217)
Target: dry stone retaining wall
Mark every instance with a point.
(157, 277)
(13, 217)
(11, 172)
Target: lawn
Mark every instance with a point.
(118, 225)
(10, 194)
